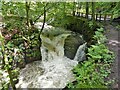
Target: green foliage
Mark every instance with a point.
(15, 18)
(118, 27)
(53, 32)
(58, 13)
(92, 72)
(91, 24)
(4, 80)
(99, 37)
(8, 67)
(109, 7)
(116, 10)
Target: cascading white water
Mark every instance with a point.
(54, 71)
(80, 54)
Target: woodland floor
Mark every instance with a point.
(113, 44)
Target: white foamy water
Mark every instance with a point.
(54, 71)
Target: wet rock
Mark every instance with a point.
(72, 43)
(58, 39)
(81, 26)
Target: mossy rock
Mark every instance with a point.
(54, 32)
(81, 26)
(72, 43)
(77, 24)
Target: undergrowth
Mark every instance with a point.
(93, 72)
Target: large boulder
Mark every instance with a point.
(71, 45)
(81, 26)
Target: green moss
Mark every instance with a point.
(54, 32)
(79, 25)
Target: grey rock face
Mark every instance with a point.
(72, 43)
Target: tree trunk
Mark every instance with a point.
(27, 13)
(87, 9)
(4, 62)
(10, 76)
(25, 53)
(39, 38)
(3, 49)
(93, 11)
(74, 8)
(64, 7)
(41, 15)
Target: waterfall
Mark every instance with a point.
(54, 71)
(80, 54)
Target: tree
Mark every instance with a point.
(27, 12)
(40, 41)
(74, 7)
(93, 11)
(2, 49)
(87, 9)
(6, 62)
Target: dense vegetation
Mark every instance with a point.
(20, 40)
(91, 73)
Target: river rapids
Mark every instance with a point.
(54, 70)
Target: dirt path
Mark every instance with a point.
(113, 44)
